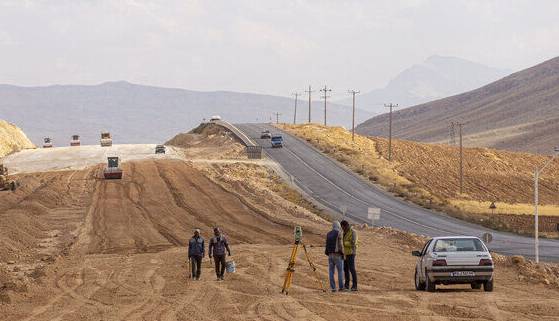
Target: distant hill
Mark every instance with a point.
(141, 114)
(519, 112)
(435, 78)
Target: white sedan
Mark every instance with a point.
(454, 260)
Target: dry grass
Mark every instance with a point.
(427, 174)
(12, 139)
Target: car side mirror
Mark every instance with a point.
(416, 253)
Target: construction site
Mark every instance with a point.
(77, 246)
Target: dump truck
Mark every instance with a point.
(106, 139)
(75, 140)
(6, 184)
(112, 171)
(160, 149)
(47, 142)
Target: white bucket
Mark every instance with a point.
(230, 266)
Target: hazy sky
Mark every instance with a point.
(263, 46)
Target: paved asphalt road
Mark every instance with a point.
(335, 187)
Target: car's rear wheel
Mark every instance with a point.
(419, 286)
(429, 285)
(488, 286)
(476, 286)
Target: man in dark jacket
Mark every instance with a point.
(218, 246)
(196, 252)
(335, 251)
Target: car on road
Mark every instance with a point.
(454, 260)
(215, 118)
(266, 134)
(160, 149)
(277, 141)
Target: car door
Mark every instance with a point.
(421, 261)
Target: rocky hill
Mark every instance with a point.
(12, 139)
(435, 78)
(519, 112)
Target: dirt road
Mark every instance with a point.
(116, 252)
(80, 157)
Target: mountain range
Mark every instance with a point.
(519, 112)
(437, 77)
(143, 114)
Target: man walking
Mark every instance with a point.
(218, 246)
(350, 250)
(196, 252)
(335, 252)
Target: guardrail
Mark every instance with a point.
(253, 150)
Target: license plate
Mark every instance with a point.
(462, 273)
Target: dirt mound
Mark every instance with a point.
(208, 141)
(12, 139)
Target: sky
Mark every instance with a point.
(272, 47)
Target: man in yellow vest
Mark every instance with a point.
(350, 250)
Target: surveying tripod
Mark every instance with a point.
(291, 265)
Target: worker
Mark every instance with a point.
(196, 252)
(335, 251)
(217, 248)
(350, 250)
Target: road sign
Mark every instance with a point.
(373, 213)
(487, 237)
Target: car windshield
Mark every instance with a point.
(276, 138)
(458, 245)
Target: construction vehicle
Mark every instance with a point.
(47, 142)
(112, 171)
(160, 149)
(75, 140)
(6, 183)
(106, 139)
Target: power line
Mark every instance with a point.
(353, 92)
(325, 90)
(296, 94)
(309, 92)
(391, 105)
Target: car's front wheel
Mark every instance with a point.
(419, 286)
(488, 286)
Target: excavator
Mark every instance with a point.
(112, 171)
(6, 184)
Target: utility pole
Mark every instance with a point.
(391, 105)
(460, 125)
(296, 94)
(537, 173)
(452, 134)
(353, 92)
(325, 90)
(277, 117)
(309, 92)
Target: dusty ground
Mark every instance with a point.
(115, 251)
(427, 174)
